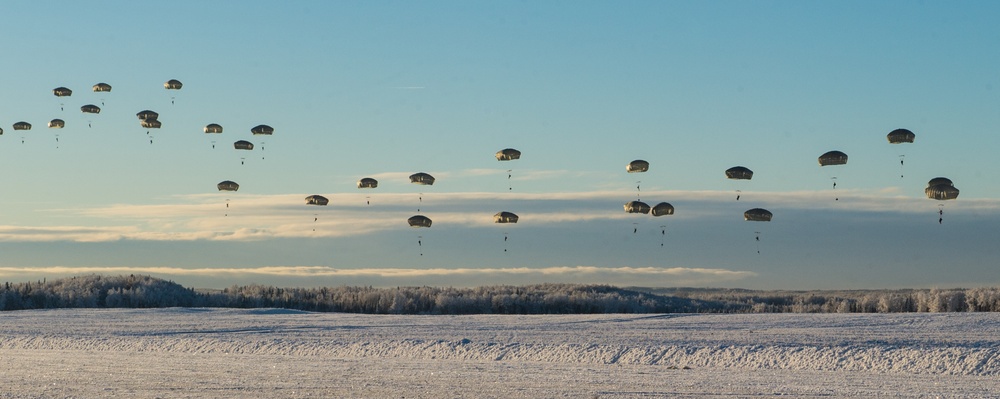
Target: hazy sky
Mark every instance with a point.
(387, 89)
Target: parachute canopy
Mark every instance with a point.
(243, 145)
(228, 186)
(900, 136)
(833, 158)
(367, 182)
(90, 109)
(505, 217)
(213, 128)
(173, 84)
(22, 126)
(422, 178)
(939, 181)
(636, 207)
(62, 92)
(102, 87)
(147, 114)
(941, 192)
(419, 221)
(317, 200)
(637, 166)
(757, 215)
(150, 123)
(662, 209)
(508, 154)
(57, 124)
(262, 130)
(739, 173)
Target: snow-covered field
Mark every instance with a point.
(273, 353)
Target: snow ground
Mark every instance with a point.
(268, 353)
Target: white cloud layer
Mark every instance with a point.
(407, 276)
(260, 217)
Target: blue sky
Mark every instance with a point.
(387, 89)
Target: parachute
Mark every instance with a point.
(508, 154)
(900, 136)
(101, 88)
(505, 217)
(213, 128)
(367, 182)
(262, 130)
(243, 145)
(831, 158)
(150, 123)
(941, 189)
(57, 124)
(637, 166)
(739, 173)
(419, 221)
(637, 207)
(662, 209)
(62, 92)
(173, 84)
(90, 109)
(22, 126)
(317, 200)
(757, 215)
(147, 114)
(941, 192)
(422, 179)
(228, 186)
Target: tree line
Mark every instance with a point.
(141, 291)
